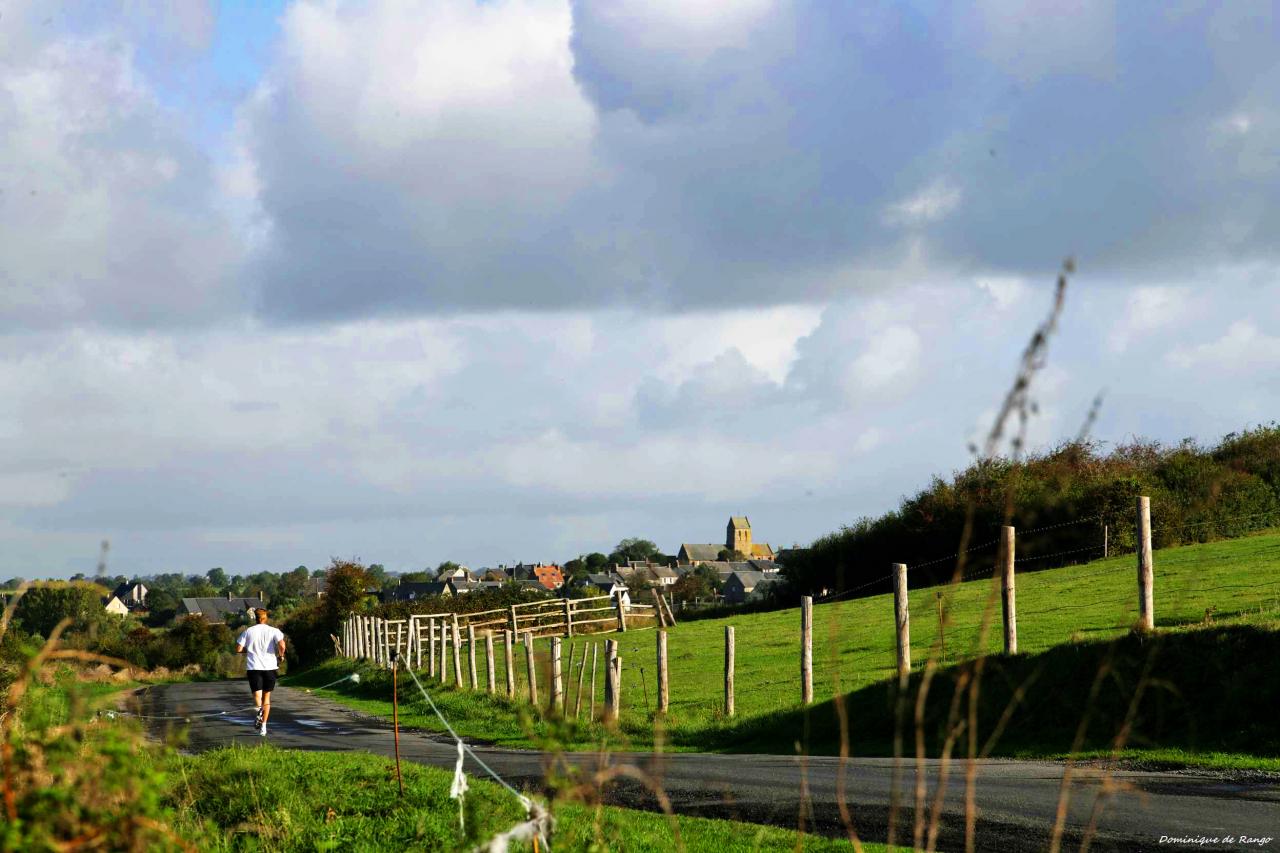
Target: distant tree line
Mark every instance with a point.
(1076, 490)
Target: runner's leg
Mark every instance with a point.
(265, 705)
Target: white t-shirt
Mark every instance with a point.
(259, 642)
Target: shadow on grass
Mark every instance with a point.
(1208, 690)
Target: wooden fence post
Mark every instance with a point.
(595, 654)
(610, 649)
(508, 651)
(568, 621)
(444, 651)
(657, 606)
(515, 622)
(431, 647)
(728, 670)
(582, 671)
(457, 653)
(614, 681)
(1009, 599)
(664, 694)
(622, 612)
(488, 662)
(1146, 568)
(533, 669)
(471, 655)
(806, 649)
(902, 618)
(557, 677)
(417, 639)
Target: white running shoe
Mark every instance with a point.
(263, 730)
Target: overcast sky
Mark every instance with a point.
(513, 280)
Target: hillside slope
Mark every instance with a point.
(1232, 584)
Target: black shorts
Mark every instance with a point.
(262, 679)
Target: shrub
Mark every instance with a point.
(1074, 489)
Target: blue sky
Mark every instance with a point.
(432, 279)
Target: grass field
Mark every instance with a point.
(1222, 585)
(268, 799)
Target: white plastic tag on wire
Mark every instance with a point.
(458, 790)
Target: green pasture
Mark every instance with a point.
(1221, 585)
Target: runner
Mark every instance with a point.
(264, 645)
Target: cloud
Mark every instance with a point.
(416, 154)
(1244, 348)
(1150, 309)
(934, 202)
(1004, 291)
(107, 213)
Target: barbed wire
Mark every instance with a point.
(1097, 547)
(1084, 520)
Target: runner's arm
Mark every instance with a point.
(280, 647)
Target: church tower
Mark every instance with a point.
(738, 535)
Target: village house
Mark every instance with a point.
(743, 586)
(608, 584)
(737, 538)
(549, 576)
(133, 596)
(217, 609)
(414, 591)
(646, 572)
(724, 568)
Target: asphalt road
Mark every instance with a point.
(1016, 800)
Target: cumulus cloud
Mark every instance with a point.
(575, 271)
(1149, 309)
(1243, 348)
(107, 212)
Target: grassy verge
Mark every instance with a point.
(1232, 585)
(79, 779)
(268, 799)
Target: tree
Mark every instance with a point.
(344, 590)
(633, 549)
(690, 587)
(217, 577)
(201, 588)
(292, 585)
(162, 605)
(446, 568)
(44, 606)
(575, 569)
(424, 576)
(708, 574)
(596, 562)
(376, 575)
(731, 555)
